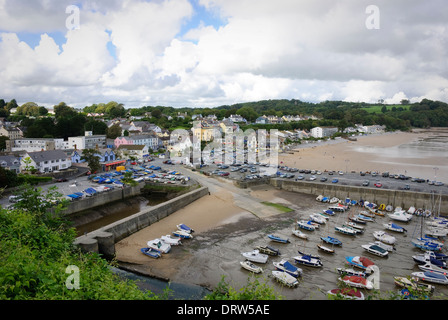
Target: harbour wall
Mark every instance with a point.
(103, 240)
(396, 198)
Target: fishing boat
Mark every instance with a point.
(431, 277)
(183, 234)
(159, 245)
(394, 227)
(325, 248)
(285, 278)
(400, 215)
(268, 250)
(174, 241)
(352, 272)
(150, 252)
(306, 225)
(251, 267)
(331, 240)
(359, 262)
(308, 260)
(255, 256)
(357, 282)
(347, 293)
(299, 234)
(412, 283)
(286, 266)
(276, 238)
(345, 230)
(318, 218)
(185, 228)
(375, 249)
(384, 237)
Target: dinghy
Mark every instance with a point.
(150, 252)
(251, 267)
(183, 234)
(174, 241)
(276, 238)
(268, 250)
(394, 227)
(384, 237)
(185, 228)
(331, 240)
(159, 245)
(325, 249)
(299, 234)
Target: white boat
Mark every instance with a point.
(345, 230)
(251, 267)
(383, 245)
(431, 277)
(255, 256)
(411, 210)
(308, 260)
(174, 241)
(352, 272)
(430, 256)
(318, 218)
(384, 237)
(347, 293)
(334, 200)
(159, 245)
(306, 225)
(285, 278)
(357, 282)
(394, 227)
(428, 266)
(375, 249)
(436, 231)
(413, 284)
(355, 225)
(299, 234)
(352, 228)
(182, 234)
(185, 228)
(325, 248)
(285, 266)
(400, 215)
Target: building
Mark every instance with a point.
(129, 150)
(11, 132)
(35, 144)
(11, 163)
(321, 132)
(45, 161)
(88, 141)
(152, 141)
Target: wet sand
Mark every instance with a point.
(224, 229)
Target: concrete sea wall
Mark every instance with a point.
(103, 240)
(396, 198)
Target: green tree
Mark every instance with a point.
(113, 131)
(92, 158)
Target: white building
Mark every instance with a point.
(45, 161)
(88, 141)
(35, 144)
(321, 132)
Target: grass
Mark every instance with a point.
(280, 207)
(377, 109)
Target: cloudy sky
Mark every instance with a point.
(206, 53)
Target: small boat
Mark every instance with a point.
(364, 218)
(430, 255)
(183, 234)
(357, 282)
(352, 272)
(357, 220)
(345, 230)
(426, 244)
(356, 226)
(385, 246)
(306, 225)
(384, 237)
(318, 218)
(150, 252)
(174, 241)
(286, 266)
(255, 256)
(428, 266)
(400, 215)
(352, 228)
(359, 262)
(159, 245)
(185, 228)
(334, 200)
(316, 256)
(389, 208)
(268, 250)
(276, 238)
(431, 277)
(413, 284)
(308, 260)
(375, 249)
(285, 278)
(347, 293)
(325, 249)
(436, 231)
(329, 212)
(368, 214)
(299, 234)
(394, 227)
(331, 240)
(251, 267)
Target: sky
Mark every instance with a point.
(208, 53)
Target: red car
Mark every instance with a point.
(378, 185)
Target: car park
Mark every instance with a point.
(378, 184)
(366, 183)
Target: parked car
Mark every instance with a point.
(323, 179)
(378, 185)
(366, 183)
(335, 181)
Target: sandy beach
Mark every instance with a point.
(224, 226)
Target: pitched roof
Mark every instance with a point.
(40, 156)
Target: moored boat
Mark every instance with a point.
(400, 215)
(318, 218)
(276, 238)
(285, 278)
(308, 260)
(255, 256)
(384, 237)
(159, 245)
(345, 230)
(357, 282)
(174, 241)
(185, 228)
(355, 225)
(286, 266)
(346, 293)
(325, 248)
(251, 267)
(412, 283)
(299, 234)
(431, 277)
(359, 262)
(306, 225)
(352, 272)
(394, 227)
(268, 250)
(150, 252)
(375, 249)
(331, 240)
(182, 234)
